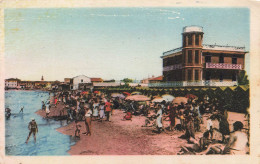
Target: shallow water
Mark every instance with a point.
(49, 141)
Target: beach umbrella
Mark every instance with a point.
(179, 100)
(136, 93)
(168, 98)
(158, 99)
(118, 95)
(126, 93)
(84, 93)
(191, 96)
(137, 98)
(96, 92)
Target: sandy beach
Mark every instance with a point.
(129, 137)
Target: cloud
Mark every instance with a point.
(175, 18)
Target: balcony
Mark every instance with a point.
(224, 66)
(193, 83)
(172, 67)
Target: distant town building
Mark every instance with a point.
(12, 83)
(152, 80)
(76, 81)
(156, 79)
(197, 64)
(67, 80)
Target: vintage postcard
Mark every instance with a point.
(128, 82)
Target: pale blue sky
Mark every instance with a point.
(111, 43)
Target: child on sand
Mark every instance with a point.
(128, 116)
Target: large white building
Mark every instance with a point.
(81, 79)
(12, 83)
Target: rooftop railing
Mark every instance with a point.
(222, 47)
(193, 83)
(172, 51)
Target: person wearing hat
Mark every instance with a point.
(33, 129)
(88, 114)
(159, 118)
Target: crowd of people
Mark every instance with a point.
(88, 107)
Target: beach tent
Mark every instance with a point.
(137, 98)
(191, 96)
(126, 93)
(158, 99)
(179, 100)
(118, 95)
(136, 93)
(168, 98)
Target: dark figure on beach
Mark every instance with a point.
(77, 131)
(198, 146)
(88, 115)
(21, 110)
(33, 128)
(223, 126)
(108, 110)
(189, 126)
(196, 122)
(172, 115)
(238, 141)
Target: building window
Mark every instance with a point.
(196, 75)
(172, 60)
(208, 75)
(176, 60)
(234, 77)
(184, 41)
(189, 75)
(208, 59)
(82, 80)
(189, 56)
(189, 39)
(197, 40)
(221, 59)
(197, 56)
(221, 76)
(234, 60)
(164, 62)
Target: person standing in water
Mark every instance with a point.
(21, 110)
(33, 128)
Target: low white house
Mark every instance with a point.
(75, 81)
(12, 83)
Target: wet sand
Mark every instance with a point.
(54, 112)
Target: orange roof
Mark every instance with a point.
(96, 79)
(159, 78)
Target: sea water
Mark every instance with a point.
(49, 141)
